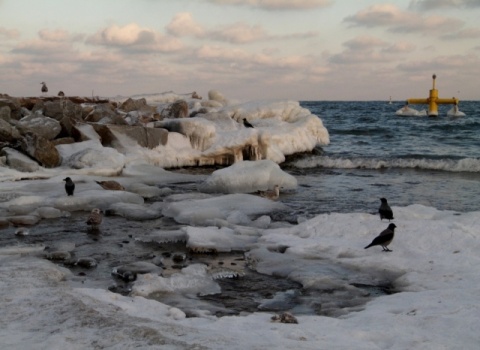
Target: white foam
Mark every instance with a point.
(407, 111)
(455, 112)
(454, 165)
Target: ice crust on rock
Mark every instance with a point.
(204, 211)
(248, 177)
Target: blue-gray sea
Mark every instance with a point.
(373, 153)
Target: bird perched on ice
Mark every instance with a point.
(271, 194)
(384, 238)
(111, 185)
(246, 123)
(385, 211)
(95, 218)
(44, 87)
(69, 186)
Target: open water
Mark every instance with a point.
(373, 153)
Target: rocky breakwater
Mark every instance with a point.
(166, 130)
(31, 128)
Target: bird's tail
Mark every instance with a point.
(368, 246)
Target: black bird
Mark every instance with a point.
(69, 186)
(246, 123)
(385, 211)
(384, 238)
(44, 87)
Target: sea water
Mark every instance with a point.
(373, 153)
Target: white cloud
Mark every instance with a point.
(400, 47)
(135, 38)
(59, 35)
(239, 33)
(397, 20)
(368, 49)
(468, 33)
(425, 5)
(183, 24)
(9, 33)
(277, 4)
(452, 64)
(364, 42)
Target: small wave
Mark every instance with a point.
(454, 165)
(410, 112)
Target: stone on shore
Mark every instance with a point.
(19, 161)
(41, 149)
(41, 125)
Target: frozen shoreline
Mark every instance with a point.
(433, 264)
(433, 261)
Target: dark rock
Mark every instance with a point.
(63, 108)
(38, 106)
(195, 95)
(63, 141)
(5, 113)
(19, 161)
(41, 149)
(178, 109)
(4, 223)
(99, 112)
(145, 137)
(53, 109)
(41, 125)
(13, 103)
(8, 133)
(136, 105)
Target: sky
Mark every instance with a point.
(246, 49)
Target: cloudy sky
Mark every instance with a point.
(246, 49)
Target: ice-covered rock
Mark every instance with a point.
(192, 279)
(19, 161)
(41, 125)
(92, 155)
(203, 211)
(218, 240)
(248, 176)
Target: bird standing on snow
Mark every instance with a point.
(385, 211)
(384, 238)
(246, 123)
(69, 186)
(44, 87)
(111, 185)
(272, 194)
(95, 218)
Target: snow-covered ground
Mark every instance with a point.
(434, 266)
